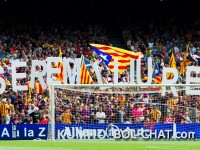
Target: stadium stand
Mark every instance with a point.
(27, 41)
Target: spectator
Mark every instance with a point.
(35, 115)
(168, 118)
(44, 120)
(67, 117)
(136, 113)
(15, 119)
(155, 114)
(186, 118)
(193, 114)
(109, 114)
(5, 111)
(85, 114)
(179, 117)
(121, 114)
(101, 116)
(127, 121)
(27, 120)
(79, 120)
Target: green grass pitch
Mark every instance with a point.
(99, 145)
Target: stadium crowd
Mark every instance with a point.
(27, 43)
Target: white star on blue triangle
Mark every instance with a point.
(156, 71)
(105, 57)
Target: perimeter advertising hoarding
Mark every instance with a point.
(101, 131)
(23, 132)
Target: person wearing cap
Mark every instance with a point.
(4, 111)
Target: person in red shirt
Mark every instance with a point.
(44, 120)
(168, 118)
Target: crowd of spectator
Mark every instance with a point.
(102, 107)
(26, 43)
(83, 107)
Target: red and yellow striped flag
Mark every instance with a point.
(60, 52)
(60, 76)
(122, 55)
(29, 88)
(184, 62)
(85, 77)
(38, 88)
(7, 81)
(172, 64)
(157, 80)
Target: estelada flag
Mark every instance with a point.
(109, 53)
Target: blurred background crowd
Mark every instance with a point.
(36, 38)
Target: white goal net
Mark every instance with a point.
(124, 112)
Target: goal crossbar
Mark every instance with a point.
(123, 85)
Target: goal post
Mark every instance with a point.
(51, 125)
(121, 111)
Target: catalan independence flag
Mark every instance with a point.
(38, 87)
(87, 63)
(172, 64)
(60, 76)
(184, 62)
(29, 88)
(108, 54)
(156, 74)
(85, 77)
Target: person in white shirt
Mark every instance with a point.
(176, 49)
(107, 78)
(132, 47)
(145, 98)
(31, 108)
(150, 44)
(100, 115)
(14, 59)
(193, 49)
(126, 77)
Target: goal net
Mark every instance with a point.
(124, 112)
